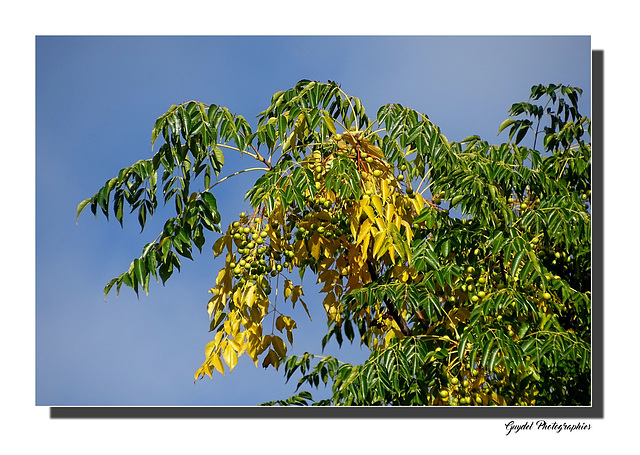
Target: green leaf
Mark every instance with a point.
(445, 248)
(152, 264)
(81, 207)
(140, 274)
(464, 339)
(142, 216)
(329, 121)
(183, 236)
(198, 237)
(527, 344)
(348, 329)
(523, 329)
(219, 157)
(534, 260)
(282, 127)
(456, 199)
(486, 352)
(492, 359)
(276, 96)
(431, 257)
(506, 124)
(108, 287)
(472, 139)
(522, 132)
(210, 200)
(495, 242)
(515, 262)
(426, 215)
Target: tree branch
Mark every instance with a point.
(391, 309)
(422, 320)
(404, 327)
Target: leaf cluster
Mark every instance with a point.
(464, 267)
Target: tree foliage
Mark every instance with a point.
(464, 267)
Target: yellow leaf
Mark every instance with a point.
(199, 373)
(218, 246)
(299, 251)
(364, 230)
(354, 219)
(255, 315)
(498, 399)
(267, 360)
(384, 186)
(380, 224)
(418, 202)
(221, 276)
(372, 149)
(329, 301)
(285, 322)
(392, 254)
(369, 211)
(315, 246)
(325, 264)
(290, 323)
(377, 244)
(237, 344)
(230, 356)
(279, 346)
(265, 342)
(365, 243)
(306, 309)
(237, 296)
(390, 212)
(329, 122)
(296, 292)
(327, 287)
(253, 344)
(338, 290)
(400, 272)
(217, 363)
(208, 349)
(408, 230)
(211, 307)
(377, 203)
(263, 304)
(271, 359)
(288, 287)
(250, 296)
(235, 324)
(330, 248)
(351, 137)
(390, 335)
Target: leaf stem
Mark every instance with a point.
(236, 173)
(355, 117)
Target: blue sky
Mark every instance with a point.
(96, 101)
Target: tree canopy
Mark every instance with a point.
(464, 267)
